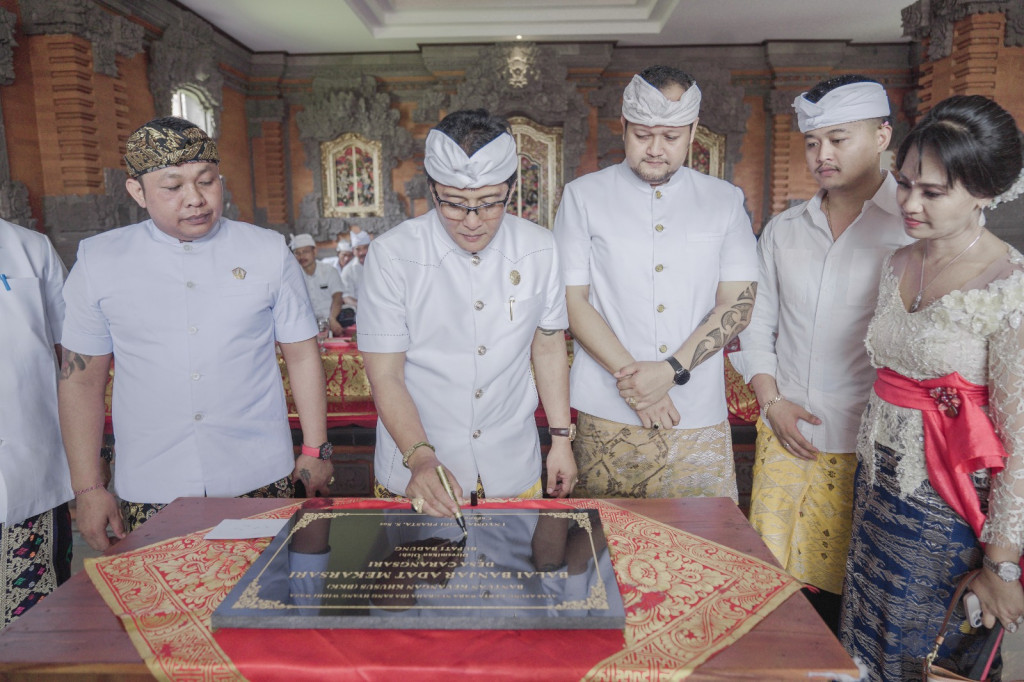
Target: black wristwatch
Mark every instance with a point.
(682, 374)
(322, 453)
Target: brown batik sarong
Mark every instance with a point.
(624, 460)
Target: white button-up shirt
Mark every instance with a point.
(818, 295)
(653, 258)
(321, 286)
(465, 323)
(33, 469)
(198, 404)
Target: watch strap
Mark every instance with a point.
(569, 432)
(682, 375)
(323, 452)
(1007, 571)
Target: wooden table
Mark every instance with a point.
(72, 634)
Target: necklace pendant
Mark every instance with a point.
(916, 303)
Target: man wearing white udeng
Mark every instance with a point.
(660, 269)
(454, 306)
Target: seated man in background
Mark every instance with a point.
(322, 282)
(352, 275)
(456, 304)
(344, 249)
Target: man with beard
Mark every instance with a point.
(659, 264)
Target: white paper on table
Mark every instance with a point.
(243, 529)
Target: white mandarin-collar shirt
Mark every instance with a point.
(33, 469)
(653, 258)
(465, 323)
(198, 403)
(817, 295)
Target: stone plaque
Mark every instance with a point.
(394, 568)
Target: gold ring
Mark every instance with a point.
(631, 401)
(331, 482)
(417, 504)
(655, 425)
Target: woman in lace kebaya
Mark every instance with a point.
(942, 438)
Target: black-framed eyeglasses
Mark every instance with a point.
(454, 211)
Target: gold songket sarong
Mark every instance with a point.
(624, 460)
(802, 509)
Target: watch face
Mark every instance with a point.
(326, 450)
(1008, 571)
(682, 376)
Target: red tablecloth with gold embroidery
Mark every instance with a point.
(686, 598)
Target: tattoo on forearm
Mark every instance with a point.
(305, 476)
(729, 326)
(73, 361)
(549, 332)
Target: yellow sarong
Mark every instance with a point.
(802, 509)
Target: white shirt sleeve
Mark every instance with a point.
(86, 329)
(333, 280)
(293, 314)
(381, 319)
(555, 314)
(53, 278)
(572, 236)
(738, 261)
(757, 341)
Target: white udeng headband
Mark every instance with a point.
(853, 102)
(492, 164)
(358, 239)
(645, 104)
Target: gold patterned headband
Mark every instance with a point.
(155, 146)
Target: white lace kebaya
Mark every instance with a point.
(977, 332)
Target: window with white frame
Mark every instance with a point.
(189, 105)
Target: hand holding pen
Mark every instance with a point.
(451, 493)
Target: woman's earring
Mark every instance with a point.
(981, 218)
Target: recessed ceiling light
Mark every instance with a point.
(519, 37)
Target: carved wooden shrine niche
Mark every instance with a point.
(351, 166)
(539, 189)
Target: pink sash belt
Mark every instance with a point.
(959, 438)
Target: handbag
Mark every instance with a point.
(936, 673)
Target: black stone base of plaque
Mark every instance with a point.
(387, 568)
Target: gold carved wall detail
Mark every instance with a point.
(351, 177)
(707, 153)
(539, 188)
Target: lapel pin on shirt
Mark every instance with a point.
(514, 277)
(3, 278)
(239, 273)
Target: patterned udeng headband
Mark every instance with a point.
(153, 147)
